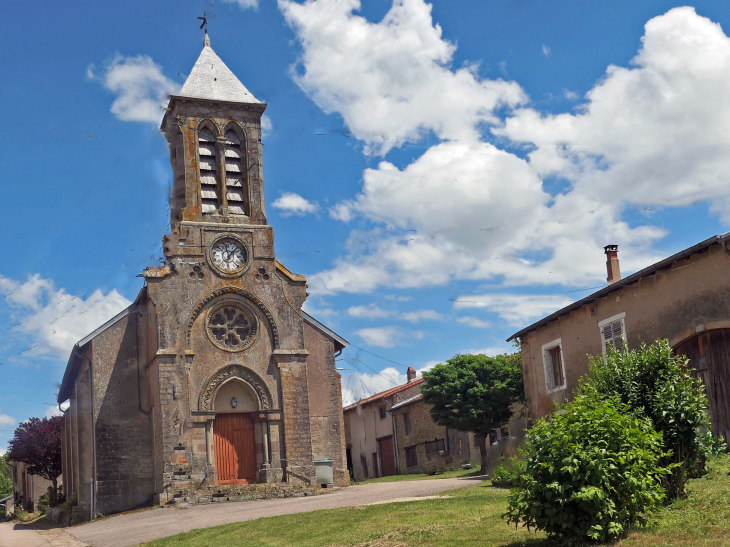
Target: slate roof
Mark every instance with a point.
(407, 402)
(211, 79)
(384, 394)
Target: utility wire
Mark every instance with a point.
(380, 357)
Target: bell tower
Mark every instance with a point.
(213, 128)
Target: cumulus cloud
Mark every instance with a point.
(388, 337)
(52, 410)
(391, 81)
(473, 322)
(244, 4)
(421, 315)
(372, 311)
(7, 421)
(515, 309)
(290, 204)
(360, 384)
(140, 87)
(656, 132)
(53, 319)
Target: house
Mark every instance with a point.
(213, 381)
(369, 430)
(27, 488)
(392, 432)
(684, 298)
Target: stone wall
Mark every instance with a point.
(123, 432)
(422, 429)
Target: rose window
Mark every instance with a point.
(231, 326)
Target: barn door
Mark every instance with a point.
(387, 459)
(235, 448)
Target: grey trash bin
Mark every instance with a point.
(324, 470)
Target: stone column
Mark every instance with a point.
(295, 414)
(83, 411)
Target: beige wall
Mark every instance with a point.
(674, 303)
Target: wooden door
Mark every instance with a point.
(235, 448)
(387, 458)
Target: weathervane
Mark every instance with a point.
(204, 19)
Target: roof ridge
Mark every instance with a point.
(383, 394)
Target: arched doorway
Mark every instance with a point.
(709, 355)
(234, 433)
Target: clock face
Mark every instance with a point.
(228, 256)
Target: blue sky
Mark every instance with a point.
(444, 173)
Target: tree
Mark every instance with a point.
(37, 444)
(475, 393)
(6, 477)
(656, 384)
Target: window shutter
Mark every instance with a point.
(613, 334)
(234, 174)
(208, 183)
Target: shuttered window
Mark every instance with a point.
(552, 355)
(208, 183)
(407, 425)
(613, 332)
(411, 456)
(234, 174)
(434, 447)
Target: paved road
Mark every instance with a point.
(135, 528)
(13, 534)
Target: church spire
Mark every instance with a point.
(206, 40)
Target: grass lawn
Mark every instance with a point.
(422, 476)
(471, 517)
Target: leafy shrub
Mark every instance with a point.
(658, 385)
(591, 471)
(507, 472)
(43, 503)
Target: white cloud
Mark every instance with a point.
(545, 50)
(474, 322)
(657, 132)
(570, 95)
(294, 204)
(244, 4)
(395, 298)
(391, 81)
(421, 315)
(53, 319)
(383, 337)
(515, 309)
(7, 421)
(52, 410)
(360, 384)
(491, 351)
(140, 87)
(372, 311)
(267, 126)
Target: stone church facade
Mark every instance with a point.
(214, 379)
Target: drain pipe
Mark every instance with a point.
(93, 439)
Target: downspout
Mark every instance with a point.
(395, 442)
(92, 483)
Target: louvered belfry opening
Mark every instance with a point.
(234, 174)
(208, 183)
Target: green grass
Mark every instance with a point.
(471, 517)
(422, 476)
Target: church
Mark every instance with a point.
(214, 384)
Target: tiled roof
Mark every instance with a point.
(384, 394)
(407, 402)
(212, 79)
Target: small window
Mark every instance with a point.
(492, 437)
(554, 367)
(434, 447)
(504, 432)
(381, 410)
(613, 332)
(411, 456)
(407, 425)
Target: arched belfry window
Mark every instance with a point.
(234, 174)
(208, 183)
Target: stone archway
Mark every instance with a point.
(246, 375)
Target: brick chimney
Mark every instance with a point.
(411, 374)
(614, 273)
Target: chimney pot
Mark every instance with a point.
(411, 374)
(612, 266)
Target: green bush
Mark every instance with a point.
(658, 385)
(507, 472)
(591, 470)
(43, 503)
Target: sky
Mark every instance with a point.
(443, 173)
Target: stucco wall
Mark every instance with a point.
(673, 303)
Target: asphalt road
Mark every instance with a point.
(135, 528)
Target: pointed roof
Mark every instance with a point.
(212, 79)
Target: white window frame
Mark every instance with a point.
(604, 322)
(546, 366)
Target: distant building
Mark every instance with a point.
(27, 488)
(214, 378)
(392, 433)
(684, 298)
